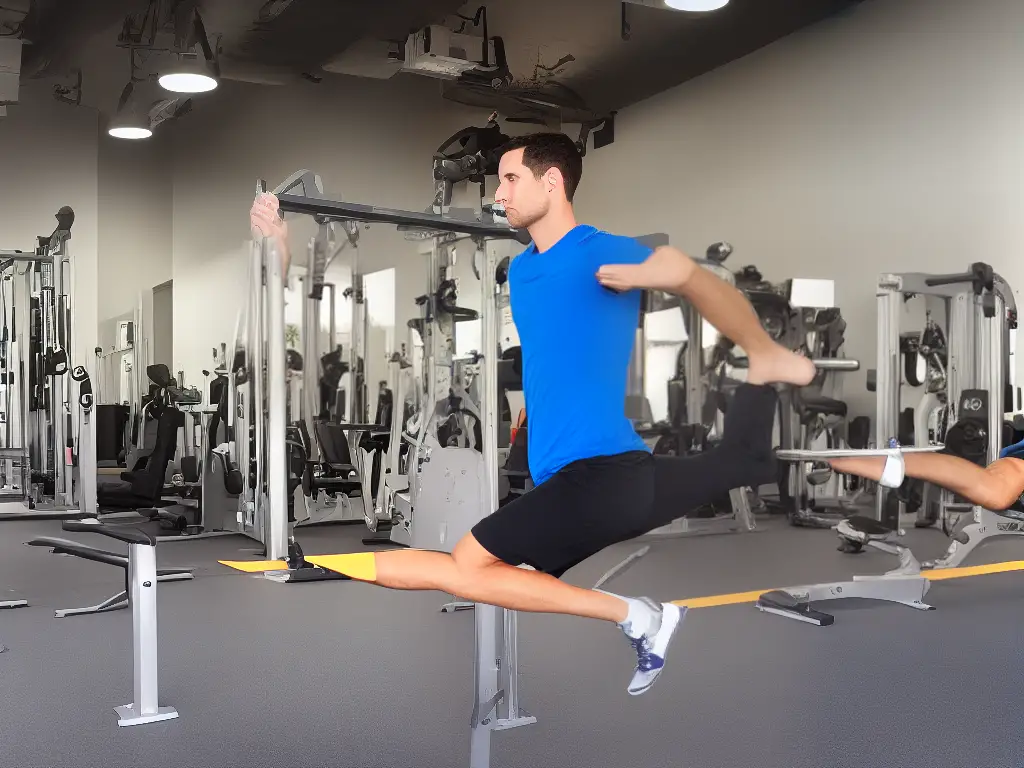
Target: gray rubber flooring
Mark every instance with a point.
(348, 675)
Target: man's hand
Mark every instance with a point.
(265, 221)
(667, 269)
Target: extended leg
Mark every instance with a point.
(472, 573)
(994, 487)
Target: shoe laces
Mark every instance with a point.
(644, 656)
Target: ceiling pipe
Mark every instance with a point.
(61, 29)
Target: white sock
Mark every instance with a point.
(640, 620)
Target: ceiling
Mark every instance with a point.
(294, 38)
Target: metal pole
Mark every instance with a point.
(145, 706)
(693, 364)
(277, 477)
(993, 354)
(311, 365)
(887, 383)
(496, 667)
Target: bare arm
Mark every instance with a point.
(265, 221)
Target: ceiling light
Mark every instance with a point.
(130, 124)
(130, 121)
(129, 132)
(696, 5)
(190, 74)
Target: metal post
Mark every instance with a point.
(332, 323)
(693, 363)
(87, 464)
(277, 475)
(991, 364)
(496, 668)
(145, 707)
(63, 409)
(887, 387)
(254, 418)
(311, 365)
(357, 412)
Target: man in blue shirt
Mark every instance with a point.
(575, 296)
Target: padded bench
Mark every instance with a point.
(75, 549)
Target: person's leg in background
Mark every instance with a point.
(994, 487)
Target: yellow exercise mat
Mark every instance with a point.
(255, 566)
(939, 574)
(355, 565)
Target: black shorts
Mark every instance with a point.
(596, 502)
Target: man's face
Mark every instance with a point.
(525, 197)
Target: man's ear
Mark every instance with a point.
(553, 177)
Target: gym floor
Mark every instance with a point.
(349, 675)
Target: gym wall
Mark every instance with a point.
(371, 142)
(888, 139)
(135, 213)
(49, 157)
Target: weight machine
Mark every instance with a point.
(496, 701)
(41, 415)
(982, 320)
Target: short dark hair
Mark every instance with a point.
(550, 150)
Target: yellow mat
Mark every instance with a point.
(356, 565)
(735, 598)
(255, 566)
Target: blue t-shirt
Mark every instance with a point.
(577, 338)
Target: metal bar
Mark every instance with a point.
(992, 351)
(488, 645)
(693, 363)
(887, 394)
(853, 453)
(332, 323)
(24, 256)
(277, 478)
(340, 210)
(843, 364)
(311, 366)
(145, 706)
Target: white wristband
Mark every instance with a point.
(893, 473)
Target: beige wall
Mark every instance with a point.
(887, 139)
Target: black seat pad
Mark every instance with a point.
(868, 525)
(813, 404)
(68, 547)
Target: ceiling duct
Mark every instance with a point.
(61, 29)
(10, 70)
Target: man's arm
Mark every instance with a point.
(265, 221)
(664, 269)
(727, 309)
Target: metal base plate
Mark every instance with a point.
(129, 715)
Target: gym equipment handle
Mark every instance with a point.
(129, 535)
(852, 453)
(981, 275)
(361, 427)
(837, 364)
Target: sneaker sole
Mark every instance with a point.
(682, 615)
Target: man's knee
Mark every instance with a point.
(470, 555)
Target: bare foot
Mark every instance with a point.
(782, 366)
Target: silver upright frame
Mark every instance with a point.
(496, 674)
(977, 347)
(496, 669)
